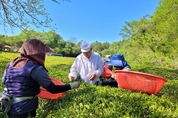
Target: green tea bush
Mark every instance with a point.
(89, 101)
(172, 74)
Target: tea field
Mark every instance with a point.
(89, 101)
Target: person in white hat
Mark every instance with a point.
(88, 65)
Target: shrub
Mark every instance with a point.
(90, 101)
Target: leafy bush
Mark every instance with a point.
(168, 73)
(90, 101)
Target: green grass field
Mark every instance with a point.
(90, 101)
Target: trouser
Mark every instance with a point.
(31, 114)
(109, 82)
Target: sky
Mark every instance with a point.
(94, 20)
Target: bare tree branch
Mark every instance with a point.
(23, 14)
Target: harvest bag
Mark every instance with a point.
(6, 102)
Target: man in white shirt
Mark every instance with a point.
(88, 65)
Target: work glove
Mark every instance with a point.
(74, 84)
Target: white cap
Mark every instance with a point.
(85, 46)
(107, 58)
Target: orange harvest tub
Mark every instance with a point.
(47, 95)
(139, 82)
(106, 72)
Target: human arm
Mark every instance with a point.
(3, 77)
(74, 70)
(40, 75)
(4, 74)
(99, 68)
(61, 88)
(127, 69)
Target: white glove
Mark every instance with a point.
(74, 85)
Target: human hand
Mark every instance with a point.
(127, 69)
(71, 78)
(113, 75)
(92, 77)
(75, 84)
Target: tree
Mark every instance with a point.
(22, 13)
(136, 27)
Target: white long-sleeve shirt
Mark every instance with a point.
(85, 67)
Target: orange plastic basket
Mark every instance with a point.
(47, 95)
(106, 72)
(139, 82)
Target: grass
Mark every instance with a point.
(90, 101)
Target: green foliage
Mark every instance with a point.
(151, 47)
(152, 40)
(105, 102)
(169, 73)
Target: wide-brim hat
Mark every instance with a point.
(116, 60)
(85, 46)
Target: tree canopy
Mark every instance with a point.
(25, 13)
